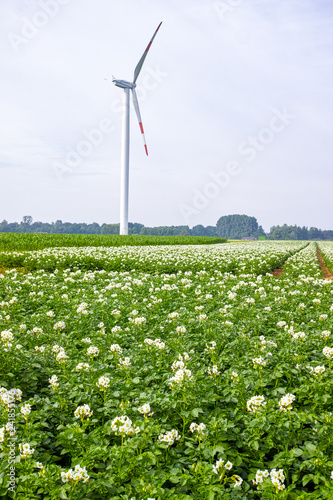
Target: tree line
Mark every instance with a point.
(240, 226)
(58, 227)
(234, 226)
(299, 233)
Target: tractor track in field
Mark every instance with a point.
(325, 270)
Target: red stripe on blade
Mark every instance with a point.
(148, 46)
(141, 128)
(146, 150)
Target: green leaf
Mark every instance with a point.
(255, 445)
(218, 449)
(195, 412)
(306, 479)
(297, 452)
(62, 494)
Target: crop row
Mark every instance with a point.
(303, 263)
(237, 258)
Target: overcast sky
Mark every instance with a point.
(235, 96)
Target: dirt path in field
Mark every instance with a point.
(325, 270)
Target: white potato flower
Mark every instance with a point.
(76, 474)
(169, 437)
(145, 410)
(83, 411)
(124, 426)
(82, 366)
(59, 326)
(92, 351)
(255, 404)
(103, 383)
(26, 409)
(285, 403)
(25, 450)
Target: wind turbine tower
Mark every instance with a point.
(125, 140)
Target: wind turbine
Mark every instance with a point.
(125, 140)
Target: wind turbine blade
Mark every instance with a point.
(137, 110)
(140, 63)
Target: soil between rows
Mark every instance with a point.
(325, 270)
(277, 272)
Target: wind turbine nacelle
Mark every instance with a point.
(123, 84)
